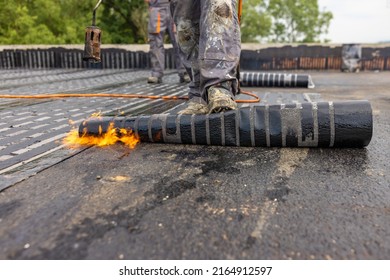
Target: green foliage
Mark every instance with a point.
(17, 25)
(125, 21)
(255, 21)
(64, 21)
(297, 20)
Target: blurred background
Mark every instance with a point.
(264, 21)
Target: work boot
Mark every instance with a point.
(154, 80)
(194, 108)
(185, 78)
(220, 99)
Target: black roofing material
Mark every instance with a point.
(262, 79)
(291, 58)
(324, 124)
(72, 58)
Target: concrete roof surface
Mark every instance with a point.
(166, 201)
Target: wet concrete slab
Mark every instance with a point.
(165, 201)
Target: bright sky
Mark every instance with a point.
(358, 21)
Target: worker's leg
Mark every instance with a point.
(186, 15)
(156, 32)
(219, 45)
(209, 38)
(172, 36)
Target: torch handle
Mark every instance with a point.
(94, 13)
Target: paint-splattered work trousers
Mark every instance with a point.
(209, 39)
(160, 21)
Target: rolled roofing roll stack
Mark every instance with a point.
(322, 124)
(259, 79)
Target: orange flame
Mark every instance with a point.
(73, 140)
(96, 114)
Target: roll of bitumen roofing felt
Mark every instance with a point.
(322, 124)
(259, 79)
